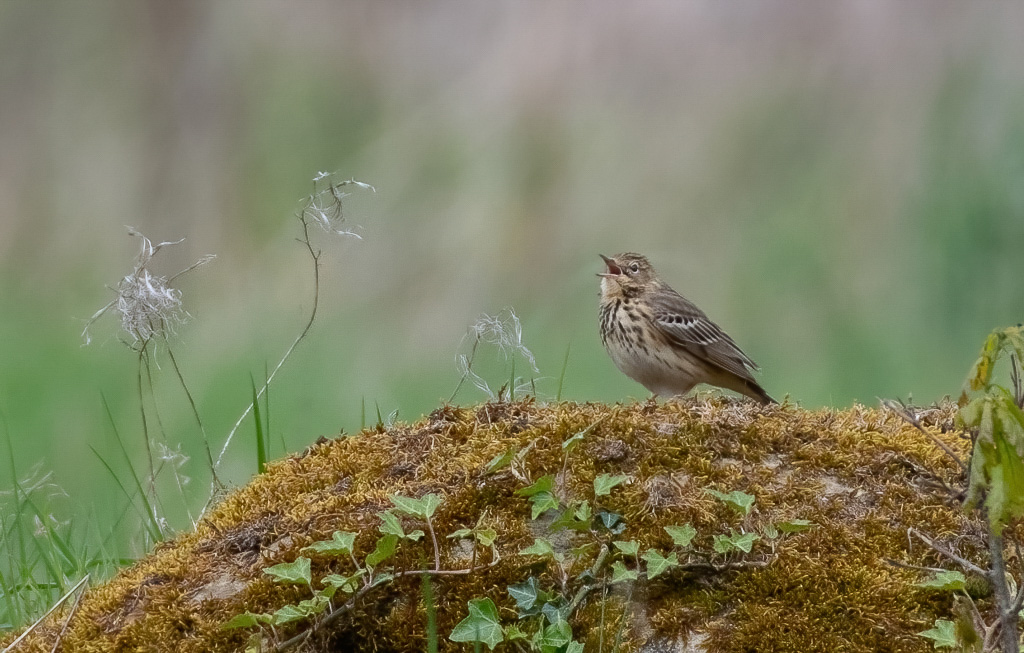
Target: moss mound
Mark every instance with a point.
(862, 476)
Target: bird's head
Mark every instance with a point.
(626, 275)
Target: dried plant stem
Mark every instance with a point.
(469, 370)
(594, 570)
(315, 257)
(71, 614)
(437, 549)
(199, 420)
(967, 565)
(903, 411)
(145, 423)
(166, 444)
(56, 605)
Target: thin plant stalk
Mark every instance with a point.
(145, 424)
(199, 420)
(151, 515)
(166, 443)
(315, 256)
(38, 621)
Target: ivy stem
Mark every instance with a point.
(437, 549)
(594, 570)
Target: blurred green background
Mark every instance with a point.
(839, 185)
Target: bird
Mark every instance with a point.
(662, 340)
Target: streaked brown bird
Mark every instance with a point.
(660, 339)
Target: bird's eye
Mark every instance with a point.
(635, 267)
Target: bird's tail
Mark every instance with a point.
(757, 393)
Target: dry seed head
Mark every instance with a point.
(505, 332)
(147, 304)
(324, 205)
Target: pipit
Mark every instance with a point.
(660, 339)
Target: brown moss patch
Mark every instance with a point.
(861, 475)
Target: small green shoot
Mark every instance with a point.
(261, 435)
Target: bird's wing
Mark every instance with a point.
(687, 326)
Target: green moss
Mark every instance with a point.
(861, 475)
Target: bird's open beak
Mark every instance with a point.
(613, 268)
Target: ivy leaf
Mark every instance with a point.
(555, 636)
(556, 611)
(604, 483)
(390, 524)
(795, 526)
(541, 547)
(347, 584)
(480, 626)
(741, 502)
(583, 511)
(542, 502)
(500, 461)
(944, 580)
(612, 521)
(574, 647)
(620, 573)
(681, 535)
(542, 484)
(341, 543)
(246, 620)
(513, 631)
(423, 507)
(658, 564)
(576, 516)
(630, 548)
(485, 536)
(291, 572)
(524, 594)
(744, 541)
(386, 546)
(942, 634)
(302, 610)
(722, 544)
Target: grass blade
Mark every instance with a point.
(561, 375)
(261, 443)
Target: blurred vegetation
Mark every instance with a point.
(838, 186)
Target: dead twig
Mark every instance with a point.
(52, 609)
(963, 562)
(903, 411)
(67, 622)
